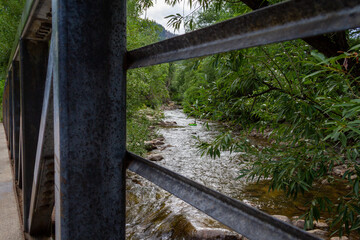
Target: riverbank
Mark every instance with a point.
(168, 216)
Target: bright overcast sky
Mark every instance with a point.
(160, 10)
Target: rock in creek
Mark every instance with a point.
(299, 223)
(153, 144)
(149, 145)
(283, 218)
(321, 225)
(167, 123)
(339, 238)
(164, 147)
(318, 233)
(155, 157)
(214, 233)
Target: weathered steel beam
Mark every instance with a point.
(90, 117)
(20, 176)
(281, 22)
(34, 14)
(240, 217)
(6, 110)
(16, 115)
(42, 197)
(10, 120)
(33, 56)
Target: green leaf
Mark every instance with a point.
(355, 47)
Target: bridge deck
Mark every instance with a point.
(9, 218)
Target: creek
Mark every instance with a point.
(153, 213)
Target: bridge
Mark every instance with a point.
(64, 111)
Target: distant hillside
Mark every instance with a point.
(165, 34)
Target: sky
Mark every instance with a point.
(160, 10)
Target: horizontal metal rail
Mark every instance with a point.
(240, 217)
(277, 23)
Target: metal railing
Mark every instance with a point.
(64, 111)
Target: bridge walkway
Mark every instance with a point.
(10, 228)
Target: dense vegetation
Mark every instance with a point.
(305, 93)
(306, 97)
(146, 87)
(10, 14)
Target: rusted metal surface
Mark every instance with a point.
(32, 84)
(281, 22)
(42, 197)
(240, 217)
(90, 117)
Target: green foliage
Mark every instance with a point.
(146, 87)
(138, 129)
(311, 104)
(10, 14)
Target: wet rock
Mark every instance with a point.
(167, 123)
(340, 170)
(153, 144)
(339, 238)
(157, 142)
(324, 182)
(155, 157)
(136, 181)
(321, 225)
(170, 106)
(299, 223)
(160, 139)
(283, 218)
(318, 233)
(149, 117)
(214, 233)
(164, 147)
(149, 145)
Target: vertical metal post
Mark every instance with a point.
(5, 105)
(16, 115)
(33, 57)
(7, 112)
(20, 178)
(10, 115)
(89, 118)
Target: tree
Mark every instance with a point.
(309, 101)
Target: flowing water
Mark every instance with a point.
(153, 213)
